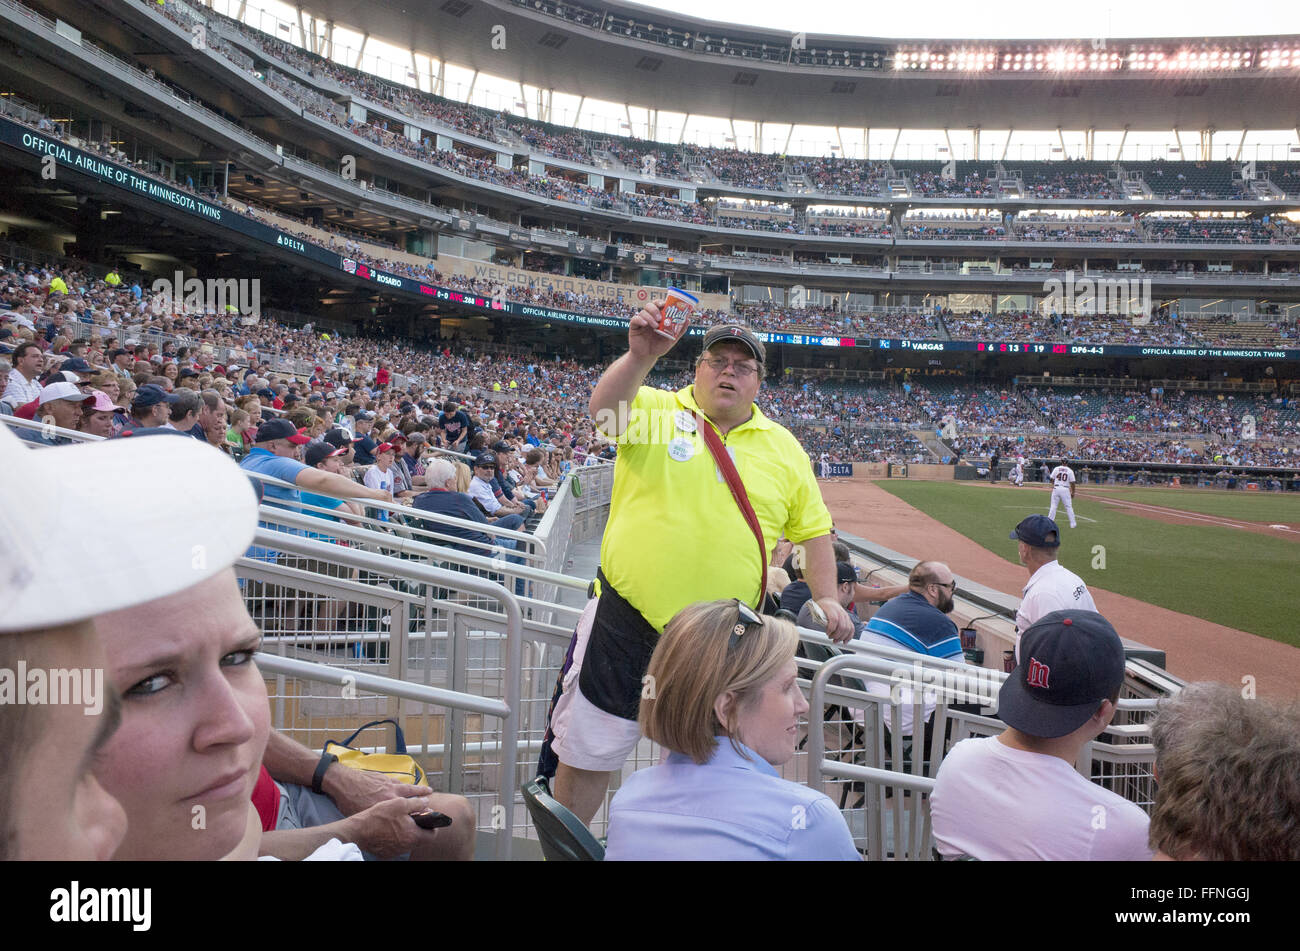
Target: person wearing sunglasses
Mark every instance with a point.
(723, 700)
(917, 621)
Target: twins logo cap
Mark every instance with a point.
(741, 335)
(1070, 661)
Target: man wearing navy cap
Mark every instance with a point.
(1051, 587)
(1017, 796)
(78, 366)
(365, 444)
(151, 406)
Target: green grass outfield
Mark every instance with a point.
(1233, 577)
(1266, 507)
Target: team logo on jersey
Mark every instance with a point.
(1037, 674)
(1078, 592)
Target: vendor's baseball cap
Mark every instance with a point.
(741, 335)
(318, 452)
(1039, 531)
(485, 459)
(62, 391)
(1070, 661)
(169, 495)
(280, 429)
(151, 394)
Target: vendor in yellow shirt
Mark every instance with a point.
(676, 536)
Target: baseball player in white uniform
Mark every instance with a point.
(1062, 491)
(1018, 472)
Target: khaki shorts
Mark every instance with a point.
(587, 737)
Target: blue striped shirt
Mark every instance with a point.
(915, 624)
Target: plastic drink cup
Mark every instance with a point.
(675, 313)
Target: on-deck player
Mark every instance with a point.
(1063, 486)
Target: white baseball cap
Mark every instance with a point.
(61, 391)
(100, 526)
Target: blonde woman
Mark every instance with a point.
(724, 703)
(464, 476)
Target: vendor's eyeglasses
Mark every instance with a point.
(745, 619)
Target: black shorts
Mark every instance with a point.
(618, 654)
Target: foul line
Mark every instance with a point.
(1193, 516)
(1077, 516)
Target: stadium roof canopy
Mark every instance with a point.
(627, 53)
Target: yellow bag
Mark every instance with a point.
(398, 766)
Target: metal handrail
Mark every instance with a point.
(404, 510)
(438, 577)
(388, 686)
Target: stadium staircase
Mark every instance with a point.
(897, 186)
(1133, 186)
(606, 160)
(698, 171)
(937, 448)
(793, 181)
(1263, 188)
(510, 138)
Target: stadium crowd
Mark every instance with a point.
(58, 307)
(1227, 767)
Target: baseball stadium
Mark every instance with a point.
(505, 330)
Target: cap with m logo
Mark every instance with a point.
(1070, 662)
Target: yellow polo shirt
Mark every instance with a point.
(675, 535)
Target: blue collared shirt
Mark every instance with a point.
(733, 808)
(285, 469)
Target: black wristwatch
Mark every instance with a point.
(326, 761)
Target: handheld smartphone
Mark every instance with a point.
(431, 820)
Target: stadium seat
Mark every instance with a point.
(562, 835)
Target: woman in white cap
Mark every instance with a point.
(56, 582)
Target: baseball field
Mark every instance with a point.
(1232, 558)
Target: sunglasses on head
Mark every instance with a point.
(745, 618)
